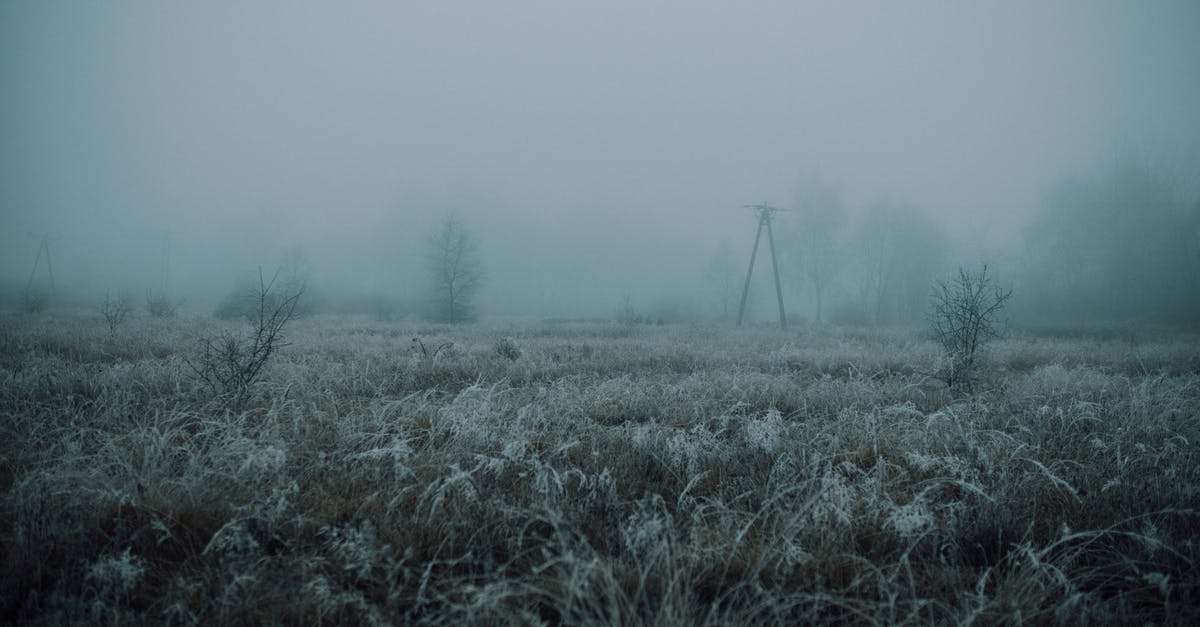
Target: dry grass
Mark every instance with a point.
(604, 475)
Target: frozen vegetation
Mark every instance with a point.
(595, 474)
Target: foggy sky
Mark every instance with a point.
(596, 149)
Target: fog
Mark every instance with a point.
(596, 151)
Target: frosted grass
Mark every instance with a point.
(672, 475)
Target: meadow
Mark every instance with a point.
(592, 473)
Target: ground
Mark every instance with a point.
(589, 473)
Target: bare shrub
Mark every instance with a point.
(159, 306)
(429, 353)
(116, 310)
(291, 277)
(232, 363)
(507, 348)
(964, 315)
(33, 301)
(628, 314)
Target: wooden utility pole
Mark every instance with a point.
(43, 248)
(764, 212)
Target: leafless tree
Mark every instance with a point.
(33, 301)
(456, 272)
(964, 314)
(722, 277)
(1120, 244)
(291, 278)
(116, 310)
(899, 251)
(820, 221)
(159, 306)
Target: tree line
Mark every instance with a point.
(1119, 245)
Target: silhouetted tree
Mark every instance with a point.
(291, 279)
(817, 243)
(116, 309)
(722, 276)
(455, 270)
(232, 363)
(899, 252)
(1124, 244)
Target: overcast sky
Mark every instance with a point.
(600, 147)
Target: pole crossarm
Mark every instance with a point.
(763, 210)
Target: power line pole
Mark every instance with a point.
(764, 212)
(43, 248)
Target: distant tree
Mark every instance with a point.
(627, 313)
(159, 306)
(817, 241)
(899, 251)
(874, 243)
(1123, 244)
(32, 301)
(921, 254)
(456, 272)
(1191, 249)
(291, 278)
(721, 275)
(295, 276)
(116, 309)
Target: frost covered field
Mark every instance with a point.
(594, 474)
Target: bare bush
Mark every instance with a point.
(159, 306)
(116, 310)
(627, 313)
(964, 315)
(33, 301)
(431, 352)
(292, 277)
(232, 363)
(507, 348)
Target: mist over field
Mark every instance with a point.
(444, 313)
(597, 151)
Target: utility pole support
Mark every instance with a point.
(775, 271)
(749, 272)
(764, 212)
(43, 248)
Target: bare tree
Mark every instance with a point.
(1121, 244)
(291, 278)
(875, 244)
(455, 270)
(295, 275)
(721, 274)
(821, 218)
(116, 310)
(159, 306)
(964, 314)
(899, 251)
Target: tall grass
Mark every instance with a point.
(603, 475)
